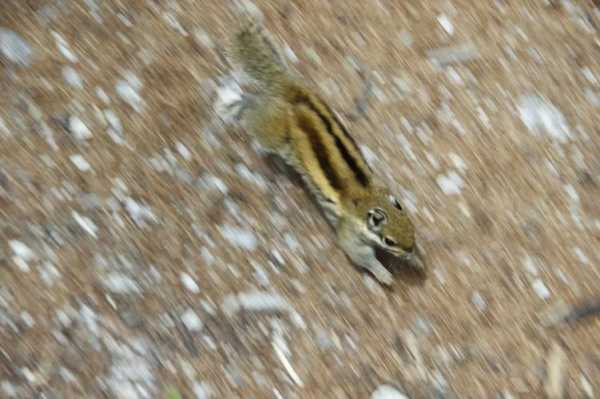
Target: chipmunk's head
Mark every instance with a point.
(388, 225)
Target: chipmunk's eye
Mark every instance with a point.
(376, 218)
(389, 242)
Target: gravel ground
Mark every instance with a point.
(147, 250)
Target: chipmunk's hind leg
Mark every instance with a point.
(268, 120)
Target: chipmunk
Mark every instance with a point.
(289, 119)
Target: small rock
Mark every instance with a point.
(388, 392)
(203, 38)
(49, 273)
(21, 250)
(71, 76)
(289, 53)
(79, 161)
(115, 129)
(556, 366)
(445, 23)
(449, 55)
(203, 391)
(130, 95)
(242, 238)
(450, 184)
(140, 214)
(581, 256)
(118, 283)
(14, 48)
(260, 301)
(540, 289)
(478, 301)
(63, 47)
(189, 283)
(78, 129)
(540, 115)
(4, 131)
(213, 182)
(85, 223)
(183, 151)
(9, 389)
(191, 320)
(586, 387)
(27, 319)
(101, 94)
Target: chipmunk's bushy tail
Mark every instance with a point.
(256, 53)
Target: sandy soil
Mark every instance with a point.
(148, 251)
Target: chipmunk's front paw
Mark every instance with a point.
(382, 274)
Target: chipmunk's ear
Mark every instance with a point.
(396, 203)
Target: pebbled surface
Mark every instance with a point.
(147, 250)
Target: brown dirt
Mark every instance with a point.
(514, 208)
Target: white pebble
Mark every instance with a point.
(572, 193)
(589, 75)
(211, 181)
(260, 301)
(539, 115)
(15, 48)
(387, 392)
(445, 22)
(86, 224)
(289, 53)
(9, 389)
(450, 184)
(183, 151)
(49, 273)
(4, 131)
(78, 129)
(101, 94)
(478, 301)
(71, 76)
(203, 38)
(586, 387)
(129, 94)
(369, 155)
(540, 289)
(27, 319)
(138, 212)
(241, 238)
(191, 320)
(115, 129)
(581, 256)
(80, 162)
(202, 390)
(531, 265)
(64, 48)
(207, 256)
(458, 162)
(189, 283)
(21, 250)
(448, 55)
(120, 284)
(592, 96)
